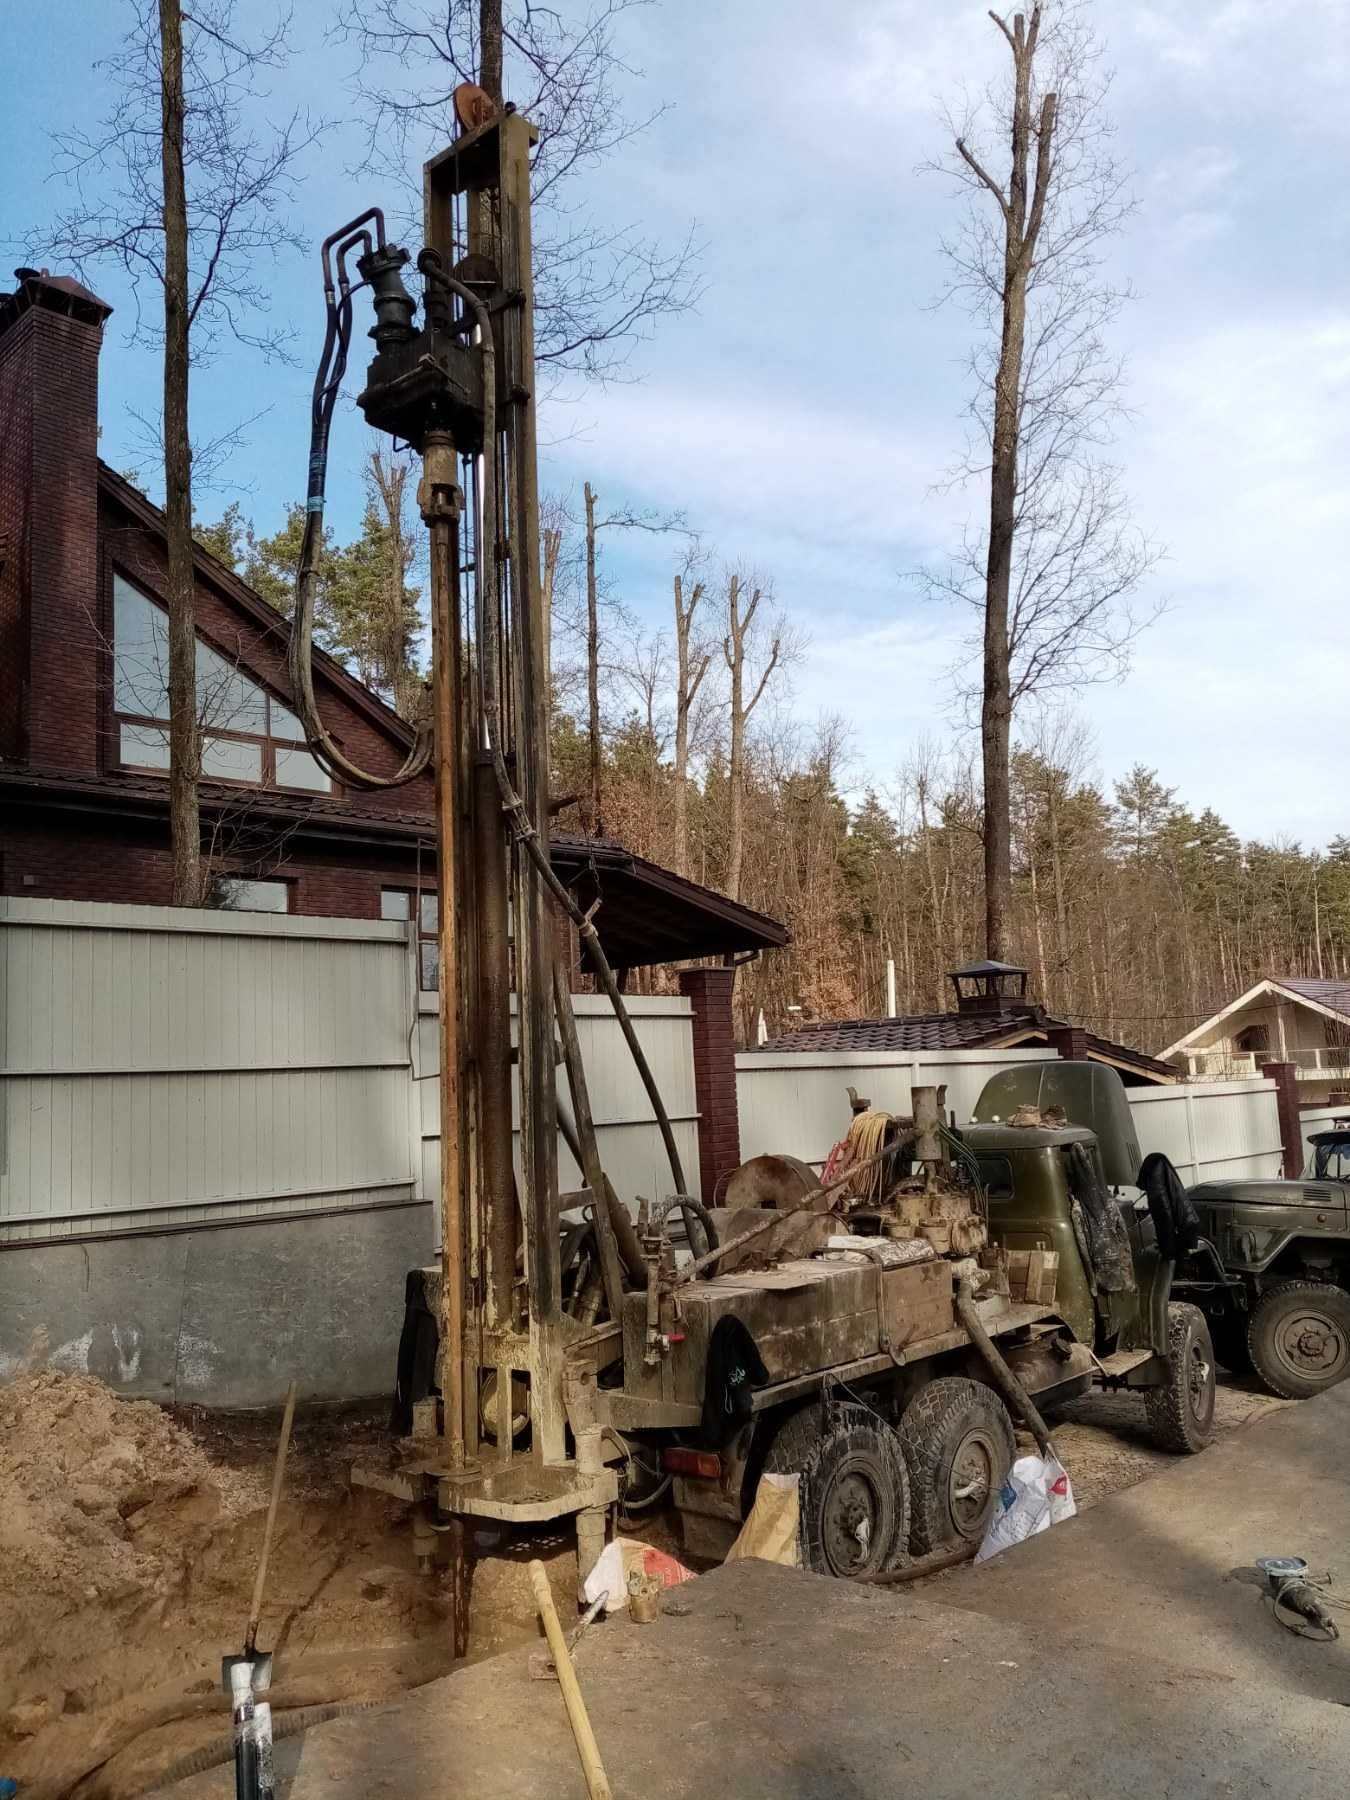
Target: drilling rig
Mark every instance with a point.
(859, 1330)
(454, 378)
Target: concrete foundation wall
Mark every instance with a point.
(221, 1316)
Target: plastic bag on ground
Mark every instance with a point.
(1036, 1495)
(771, 1531)
(624, 1557)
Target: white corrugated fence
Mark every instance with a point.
(168, 1067)
(795, 1103)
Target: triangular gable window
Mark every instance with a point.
(247, 734)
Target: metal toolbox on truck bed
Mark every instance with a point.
(803, 1316)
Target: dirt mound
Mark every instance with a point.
(128, 1547)
(81, 1471)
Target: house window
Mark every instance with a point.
(403, 903)
(247, 735)
(236, 893)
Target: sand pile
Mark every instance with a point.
(127, 1555)
(86, 1479)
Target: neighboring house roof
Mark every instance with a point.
(1330, 998)
(1009, 1027)
(1333, 995)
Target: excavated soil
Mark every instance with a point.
(128, 1547)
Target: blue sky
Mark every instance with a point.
(802, 415)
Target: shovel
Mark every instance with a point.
(245, 1677)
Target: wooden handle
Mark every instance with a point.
(278, 1471)
(597, 1785)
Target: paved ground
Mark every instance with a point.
(1113, 1657)
(1151, 1567)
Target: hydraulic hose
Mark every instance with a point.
(221, 1750)
(327, 383)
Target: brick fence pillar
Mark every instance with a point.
(714, 1034)
(1285, 1077)
(1069, 1042)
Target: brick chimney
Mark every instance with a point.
(50, 332)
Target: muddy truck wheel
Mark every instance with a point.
(853, 1493)
(959, 1445)
(1298, 1338)
(1181, 1411)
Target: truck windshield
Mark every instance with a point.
(996, 1174)
(1331, 1161)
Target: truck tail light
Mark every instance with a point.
(706, 1464)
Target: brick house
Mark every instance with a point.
(84, 703)
(84, 710)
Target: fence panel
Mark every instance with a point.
(794, 1103)
(1212, 1130)
(166, 1066)
(630, 1142)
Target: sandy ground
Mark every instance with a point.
(128, 1544)
(1104, 1443)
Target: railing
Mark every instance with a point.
(1317, 1064)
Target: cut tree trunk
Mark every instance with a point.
(184, 732)
(592, 669)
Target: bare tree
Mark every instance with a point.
(745, 693)
(598, 289)
(592, 666)
(187, 203)
(550, 554)
(643, 669)
(184, 737)
(623, 520)
(1052, 571)
(692, 662)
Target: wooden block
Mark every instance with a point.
(918, 1301)
(1042, 1277)
(1019, 1264)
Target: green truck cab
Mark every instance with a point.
(1059, 1160)
(1267, 1262)
(1282, 1311)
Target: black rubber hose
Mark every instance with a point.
(932, 1564)
(323, 747)
(221, 1750)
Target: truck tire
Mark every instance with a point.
(1181, 1411)
(959, 1445)
(1299, 1338)
(854, 1491)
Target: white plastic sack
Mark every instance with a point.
(619, 1559)
(1036, 1495)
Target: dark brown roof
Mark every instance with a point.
(1335, 994)
(1010, 1026)
(646, 914)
